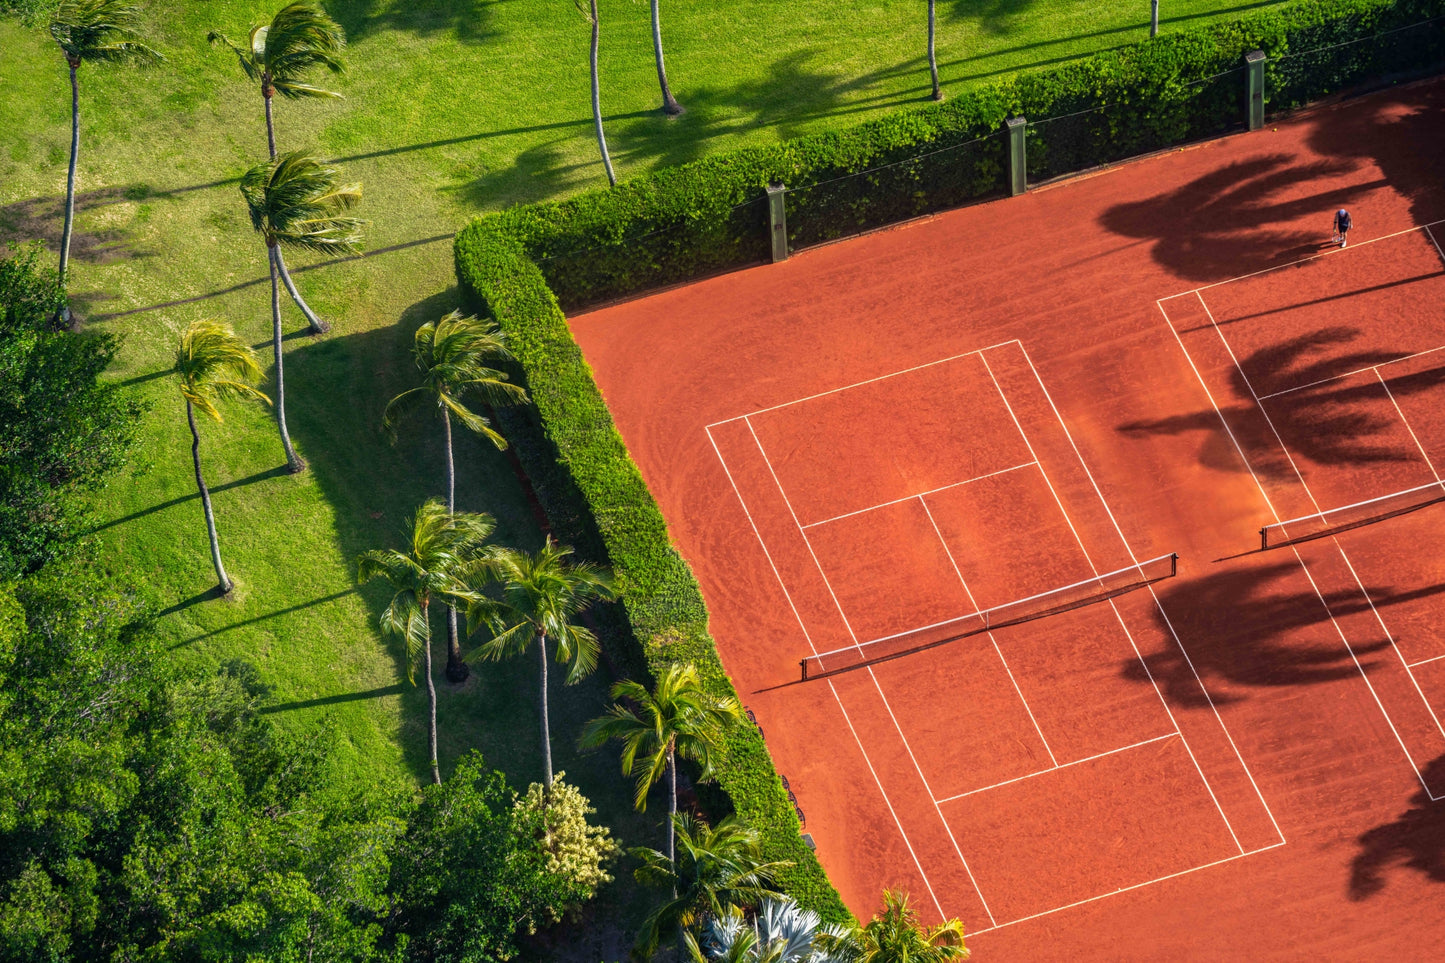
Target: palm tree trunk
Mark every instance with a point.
(932, 57)
(597, 111)
(206, 502)
(293, 462)
(672, 809)
(1153, 18)
(431, 696)
(270, 124)
(670, 106)
(70, 181)
(317, 325)
(457, 670)
(546, 728)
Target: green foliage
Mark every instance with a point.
(476, 866)
(673, 225)
(62, 430)
(711, 214)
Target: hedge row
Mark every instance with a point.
(521, 265)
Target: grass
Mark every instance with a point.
(452, 107)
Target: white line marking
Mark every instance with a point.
(1312, 257)
(933, 491)
(1435, 658)
(1064, 765)
(1157, 603)
(846, 624)
(1350, 374)
(1125, 889)
(974, 602)
(1406, 422)
(808, 637)
(859, 384)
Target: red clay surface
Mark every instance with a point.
(908, 427)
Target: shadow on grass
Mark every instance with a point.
(251, 621)
(43, 218)
(386, 690)
(276, 472)
(467, 21)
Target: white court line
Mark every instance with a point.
(1157, 603)
(933, 491)
(1406, 421)
(1436, 658)
(1349, 374)
(974, 602)
(846, 624)
(1125, 889)
(1065, 765)
(1300, 558)
(859, 384)
(1312, 257)
(809, 638)
(1335, 540)
(1088, 558)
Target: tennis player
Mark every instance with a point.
(1342, 226)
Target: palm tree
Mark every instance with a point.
(717, 868)
(896, 936)
(1153, 18)
(780, 932)
(103, 31)
(213, 364)
(298, 39)
(678, 718)
(454, 355)
(590, 13)
(670, 106)
(932, 58)
(295, 201)
(535, 599)
(442, 544)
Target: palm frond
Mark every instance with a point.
(243, 54)
(301, 38)
(296, 201)
(398, 408)
(103, 30)
(214, 364)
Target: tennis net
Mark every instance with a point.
(1346, 517)
(1090, 590)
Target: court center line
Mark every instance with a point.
(1125, 889)
(1350, 374)
(905, 498)
(836, 697)
(872, 675)
(1300, 558)
(998, 651)
(859, 384)
(1406, 422)
(1056, 768)
(1158, 604)
(1303, 260)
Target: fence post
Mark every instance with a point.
(1017, 163)
(778, 219)
(1254, 67)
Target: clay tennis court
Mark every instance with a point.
(865, 446)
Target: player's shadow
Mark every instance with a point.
(1326, 425)
(1237, 219)
(1413, 840)
(1242, 629)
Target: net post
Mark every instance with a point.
(1254, 67)
(1264, 539)
(1173, 564)
(803, 667)
(778, 220)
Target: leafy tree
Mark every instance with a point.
(680, 717)
(294, 201)
(476, 865)
(669, 105)
(932, 57)
(455, 355)
(780, 932)
(63, 429)
(442, 543)
(536, 597)
(896, 936)
(213, 364)
(102, 31)
(589, 13)
(717, 868)
(300, 38)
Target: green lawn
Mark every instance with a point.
(451, 108)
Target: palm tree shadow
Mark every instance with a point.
(259, 476)
(1242, 629)
(467, 21)
(43, 218)
(1413, 840)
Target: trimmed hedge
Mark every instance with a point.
(523, 264)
